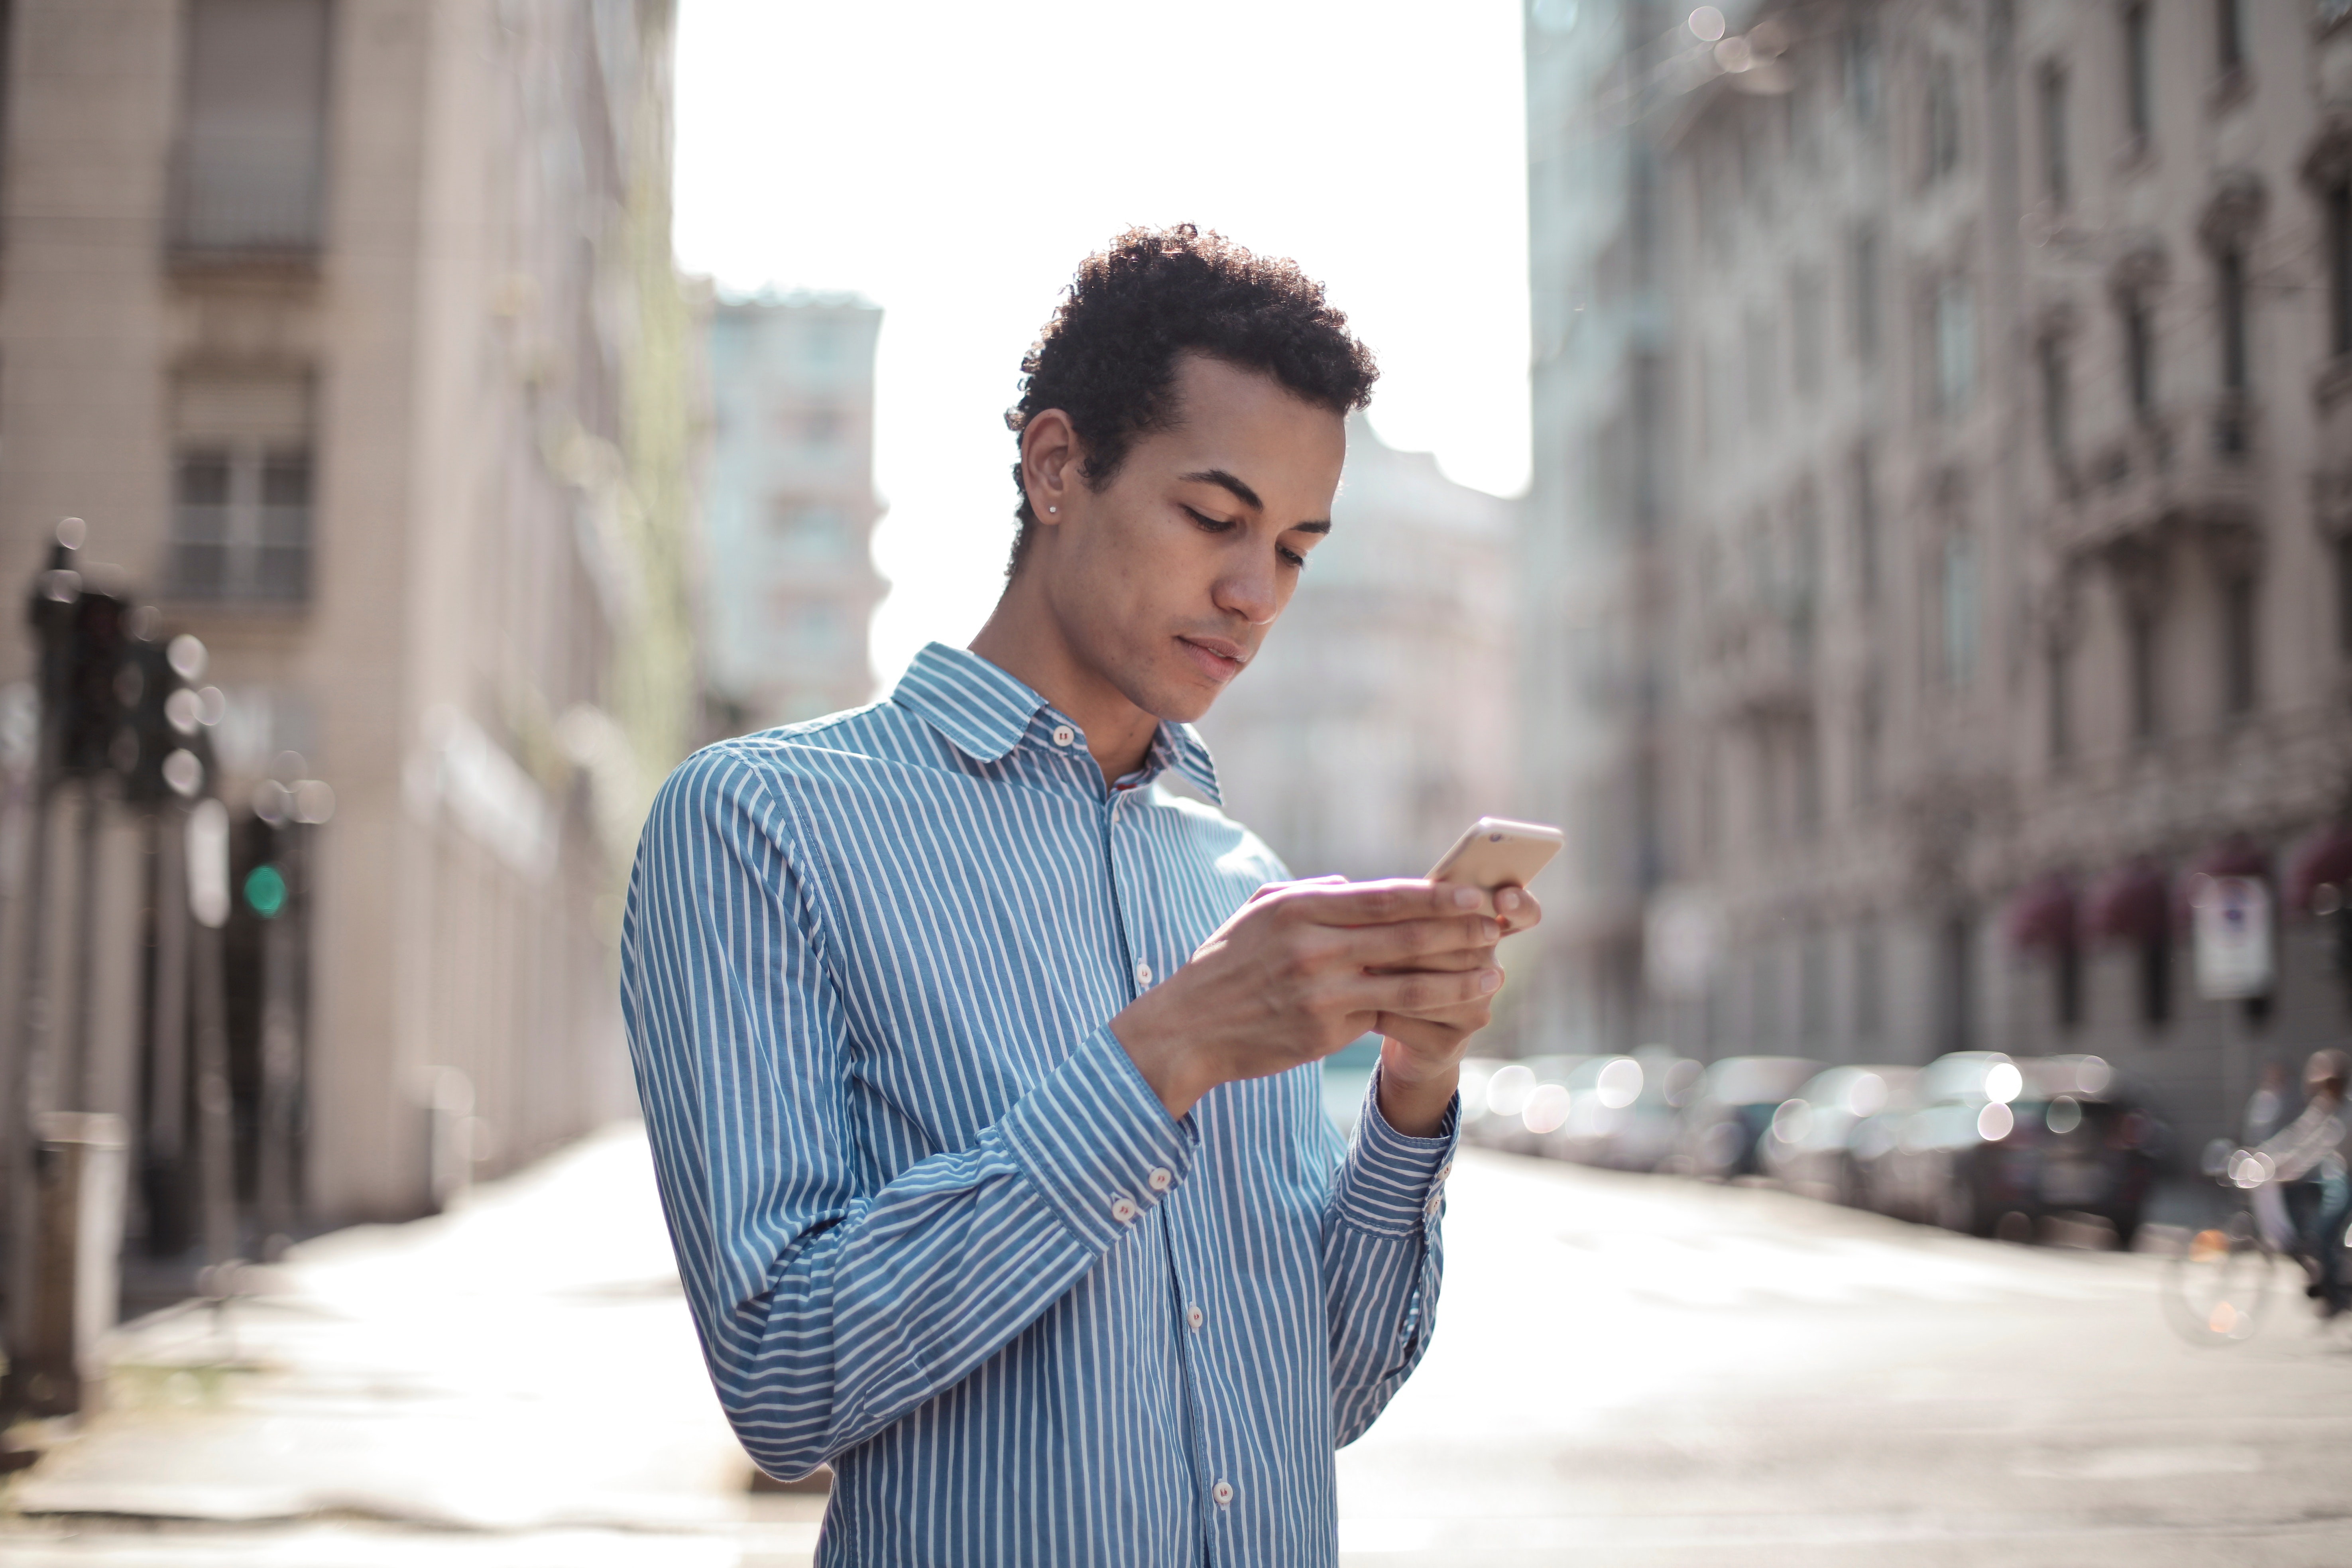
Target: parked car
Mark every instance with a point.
(1995, 1135)
(1525, 1100)
(1623, 1111)
(1726, 1118)
(1809, 1146)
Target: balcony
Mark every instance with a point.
(2192, 465)
(1756, 664)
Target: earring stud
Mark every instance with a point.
(1052, 508)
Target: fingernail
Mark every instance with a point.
(1489, 979)
(1508, 898)
(1465, 898)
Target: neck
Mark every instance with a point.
(1024, 638)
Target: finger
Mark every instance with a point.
(1407, 943)
(1440, 963)
(1423, 992)
(1426, 1038)
(1380, 903)
(1268, 889)
(1517, 908)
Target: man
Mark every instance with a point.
(2307, 1161)
(980, 1065)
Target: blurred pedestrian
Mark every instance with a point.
(2307, 1161)
(2266, 1106)
(982, 1071)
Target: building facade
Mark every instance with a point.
(351, 329)
(1375, 723)
(789, 508)
(2009, 585)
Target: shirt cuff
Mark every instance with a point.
(1392, 1184)
(1096, 1142)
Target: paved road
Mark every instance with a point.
(1627, 1371)
(1641, 1371)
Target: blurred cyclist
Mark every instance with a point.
(2308, 1158)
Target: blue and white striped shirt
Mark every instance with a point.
(933, 1225)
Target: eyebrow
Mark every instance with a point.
(1248, 497)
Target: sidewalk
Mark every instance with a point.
(513, 1384)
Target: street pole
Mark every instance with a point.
(208, 900)
(55, 590)
(167, 1082)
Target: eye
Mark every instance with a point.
(1206, 523)
(1291, 557)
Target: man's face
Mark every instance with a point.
(1166, 580)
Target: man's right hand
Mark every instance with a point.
(1302, 969)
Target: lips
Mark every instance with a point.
(1219, 658)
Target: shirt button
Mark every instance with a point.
(1435, 1199)
(1223, 1492)
(1143, 974)
(1063, 734)
(1122, 1209)
(1445, 1170)
(1194, 1317)
(1160, 1179)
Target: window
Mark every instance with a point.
(2066, 986)
(2139, 86)
(2060, 669)
(1956, 348)
(2229, 35)
(1865, 525)
(815, 533)
(2239, 633)
(2139, 354)
(2155, 980)
(1943, 128)
(1761, 380)
(250, 167)
(2339, 268)
(2141, 650)
(816, 632)
(1869, 994)
(2057, 394)
(1864, 300)
(1807, 782)
(2342, 553)
(1959, 607)
(1862, 70)
(1805, 323)
(1812, 993)
(1865, 748)
(241, 491)
(2056, 170)
(2230, 306)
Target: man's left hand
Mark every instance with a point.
(1420, 1056)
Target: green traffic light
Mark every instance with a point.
(264, 892)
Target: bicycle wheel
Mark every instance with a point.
(2216, 1287)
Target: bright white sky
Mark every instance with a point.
(953, 161)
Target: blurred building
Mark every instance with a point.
(789, 508)
(1375, 723)
(2004, 578)
(351, 330)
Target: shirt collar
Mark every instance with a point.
(983, 711)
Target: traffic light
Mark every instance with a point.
(161, 747)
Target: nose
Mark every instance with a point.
(1247, 588)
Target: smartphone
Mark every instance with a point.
(1496, 853)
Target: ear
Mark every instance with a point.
(1050, 455)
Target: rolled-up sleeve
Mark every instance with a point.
(829, 1309)
(1383, 1259)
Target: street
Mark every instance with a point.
(1627, 1370)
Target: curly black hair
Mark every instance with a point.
(1107, 357)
